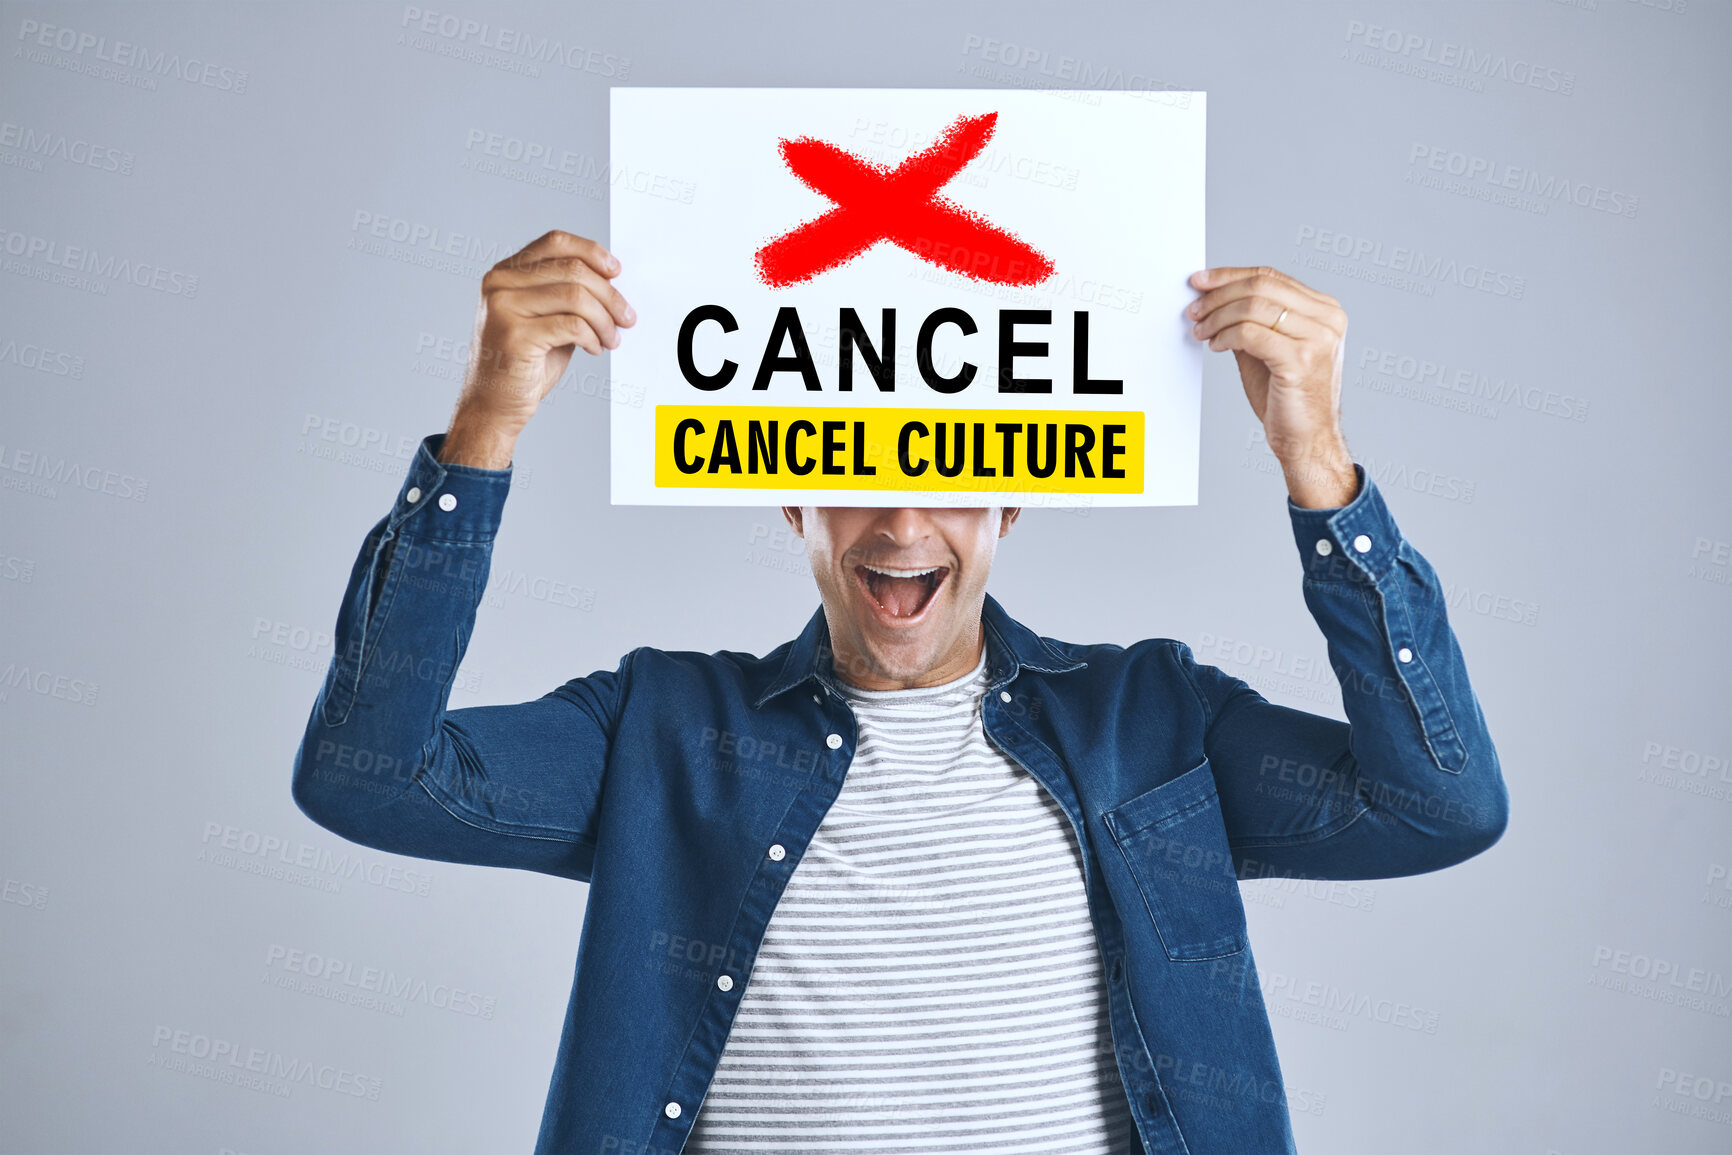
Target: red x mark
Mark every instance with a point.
(902, 206)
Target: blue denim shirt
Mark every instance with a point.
(683, 788)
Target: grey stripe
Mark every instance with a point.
(929, 980)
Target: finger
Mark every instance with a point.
(1222, 275)
(571, 269)
(562, 297)
(611, 298)
(541, 272)
(1276, 294)
(1260, 341)
(558, 243)
(557, 330)
(1260, 311)
(1261, 301)
(1264, 282)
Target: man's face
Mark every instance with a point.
(902, 588)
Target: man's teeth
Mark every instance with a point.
(902, 573)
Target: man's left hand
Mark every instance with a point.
(1290, 343)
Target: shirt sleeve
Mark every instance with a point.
(384, 762)
(1411, 782)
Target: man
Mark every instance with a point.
(1016, 923)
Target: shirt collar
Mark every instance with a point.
(1010, 648)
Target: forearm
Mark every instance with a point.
(1383, 612)
(1412, 783)
(402, 628)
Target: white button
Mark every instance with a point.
(672, 1110)
(1362, 543)
(817, 699)
(1004, 695)
(777, 853)
(448, 501)
(414, 494)
(833, 741)
(1404, 654)
(1325, 547)
(726, 982)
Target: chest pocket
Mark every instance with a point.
(1175, 844)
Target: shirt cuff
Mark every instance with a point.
(1353, 542)
(444, 501)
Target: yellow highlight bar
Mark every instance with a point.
(951, 450)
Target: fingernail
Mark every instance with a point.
(630, 314)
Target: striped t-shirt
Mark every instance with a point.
(929, 980)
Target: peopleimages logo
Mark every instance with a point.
(874, 203)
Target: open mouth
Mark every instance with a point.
(901, 593)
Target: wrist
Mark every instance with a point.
(1320, 475)
(479, 441)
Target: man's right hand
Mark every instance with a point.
(537, 307)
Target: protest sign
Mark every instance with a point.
(906, 296)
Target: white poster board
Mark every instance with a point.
(1004, 270)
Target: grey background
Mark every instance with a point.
(1587, 559)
